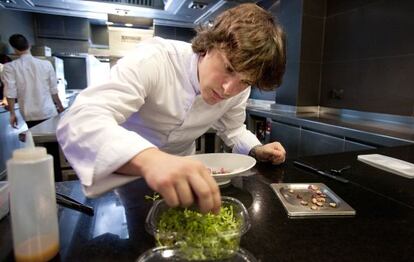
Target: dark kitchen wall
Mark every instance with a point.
(15, 22)
(289, 14)
(303, 22)
(62, 33)
(313, 20)
(176, 33)
(99, 35)
(368, 60)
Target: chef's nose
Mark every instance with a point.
(231, 87)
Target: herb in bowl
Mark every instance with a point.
(200, 236)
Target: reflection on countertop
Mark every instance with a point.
(392, 126)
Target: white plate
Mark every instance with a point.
(236, 164)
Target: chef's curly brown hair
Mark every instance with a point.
(253, 42)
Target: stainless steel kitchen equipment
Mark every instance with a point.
(311, 199)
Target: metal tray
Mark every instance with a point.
(292, 196)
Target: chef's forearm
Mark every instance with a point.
(134, 167)
(10, 101)
(57, 101)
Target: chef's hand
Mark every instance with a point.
(272, 152)
(13, 121)
(181, 181)
(4, 103)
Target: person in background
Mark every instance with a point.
(33, 82)
(165, 95)
(3, 59)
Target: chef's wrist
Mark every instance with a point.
(253, 151)
(136, 165)
(60, 108)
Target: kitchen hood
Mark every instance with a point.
(185, 13)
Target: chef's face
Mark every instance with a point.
(218, 80)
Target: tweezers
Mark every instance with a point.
(71, 203)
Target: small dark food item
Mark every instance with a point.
(314, 197)
(221, 171)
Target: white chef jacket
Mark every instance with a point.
(152, 100)
(32, 81)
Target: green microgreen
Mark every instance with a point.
(200, 236)
(154, 197)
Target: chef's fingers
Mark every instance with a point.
(202, 191)
(278, 157)
(278, 146)
(13, 122)
(278, 160)
(214, 189)
(170, 195)
(184, 193)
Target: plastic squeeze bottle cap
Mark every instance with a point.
(29, 154)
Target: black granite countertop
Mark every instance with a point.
(381, 230)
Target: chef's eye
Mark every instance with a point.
(229, 69)
(246, 82)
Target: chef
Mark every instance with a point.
(33, 82)
(166, 94)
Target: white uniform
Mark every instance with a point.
(152, 100)
(32, 81)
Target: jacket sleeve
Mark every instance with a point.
(52, 79)
(90, 133)
(10, 89)
(231, 128)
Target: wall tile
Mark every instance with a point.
(309, 84)
(383, 85)
(334, 7)
(185, 34)
(64, 46)
(290, 9)
(314, 7)
(377, 30)
(287, 93)
(293, 31)
(176, 33)
(312, 39)
(164, 31)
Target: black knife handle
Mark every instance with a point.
(320, 172)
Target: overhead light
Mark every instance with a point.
(128, 24)
(109, 23)
(133, 20)
(197, 5)
(8, 1)
(122, 12)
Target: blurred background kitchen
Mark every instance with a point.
(348, 83)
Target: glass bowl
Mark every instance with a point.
(160, 254)
(203, 239)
